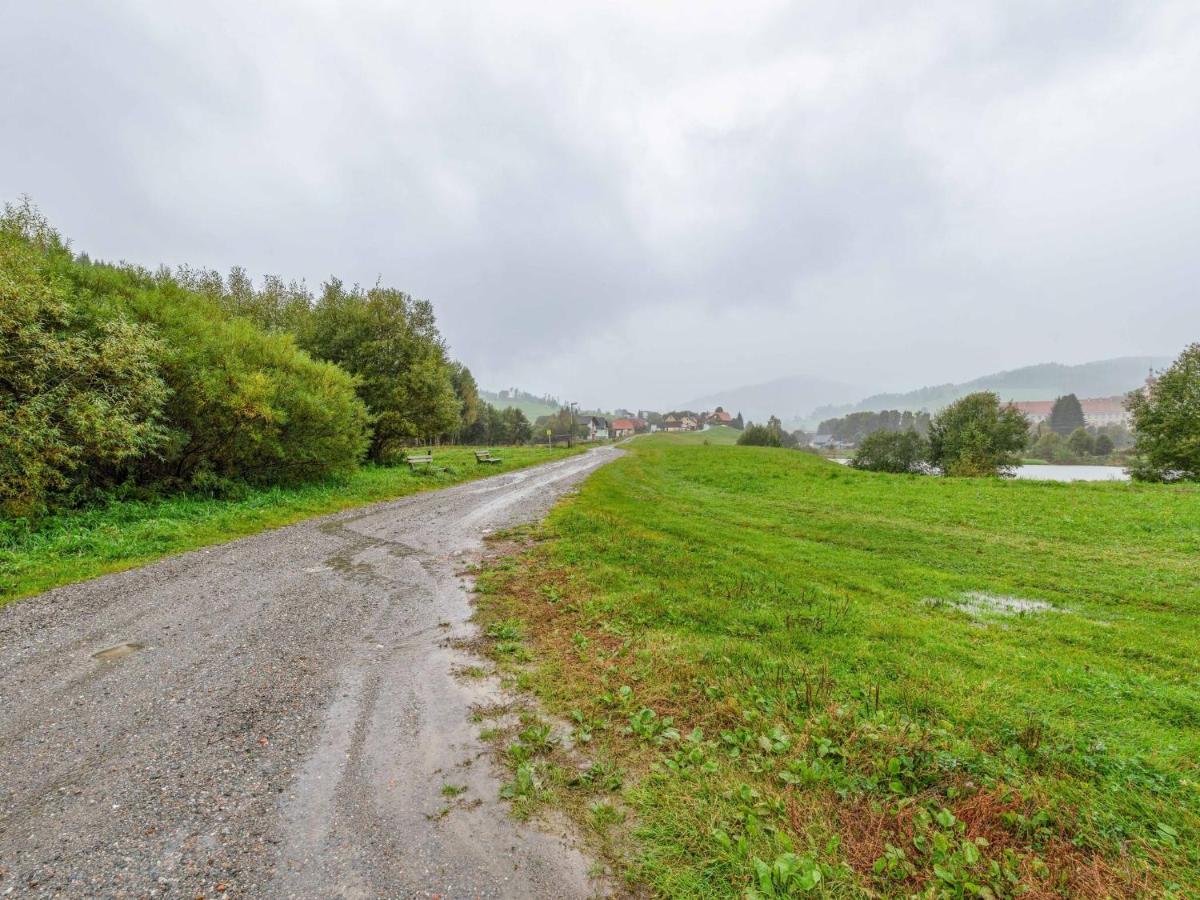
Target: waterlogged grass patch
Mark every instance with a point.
(729, 636)
(980, 603)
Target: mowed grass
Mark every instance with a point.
(717, 435)
(811, 679)
(76, 545)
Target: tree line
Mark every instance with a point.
(770, 435)
(115, 378)
(854, 427)
(974, 435)
(977, 435)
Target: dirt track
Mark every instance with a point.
(277, 717)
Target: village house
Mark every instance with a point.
(720, 417)
(595, 427)
(622, 428)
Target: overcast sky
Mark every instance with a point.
(638, 203)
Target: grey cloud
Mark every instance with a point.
(884, 194)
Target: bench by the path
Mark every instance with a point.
(419, 459)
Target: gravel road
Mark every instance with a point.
(272, 717)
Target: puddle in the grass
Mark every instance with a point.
(979, 603)
(119, 651)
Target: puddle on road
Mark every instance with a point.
(346, 565)
(119, 651)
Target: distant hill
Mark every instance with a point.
(789, 398)
(530, 404)
(1046, 381)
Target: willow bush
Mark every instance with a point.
(112, 375)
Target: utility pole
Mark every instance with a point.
(573, 406)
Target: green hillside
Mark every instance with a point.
(531, 405)
(785, 675)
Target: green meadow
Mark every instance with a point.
(718, 434)
(74, 545)
(784, 677)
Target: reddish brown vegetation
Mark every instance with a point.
(867, 828)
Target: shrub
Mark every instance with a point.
(975, 435)
(891, 451)
(759, 436)
(1166, 422)
(1081, 443)
(81, 396)
(244, 403)
(111, 375)
(1049, 446)
(391, 343)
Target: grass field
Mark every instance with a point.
(73, 546)
(789, 676)
(717, 435)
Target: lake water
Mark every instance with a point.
(1073, 473)
(1062, 473)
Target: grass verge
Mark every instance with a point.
(813, 679)
(80, 544)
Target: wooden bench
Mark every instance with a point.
(485, 456)
(419, 459)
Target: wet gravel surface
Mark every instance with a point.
(273, 717)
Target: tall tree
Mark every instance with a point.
(467, 392)
(391, 343)
(1066, 415)
(517, 429)
(1166, 422)
(975, 435)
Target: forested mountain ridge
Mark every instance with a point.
(1044, 381)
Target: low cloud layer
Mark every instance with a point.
(640, 203)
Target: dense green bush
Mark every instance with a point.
(81, 394)
(759, 436)
(1080, 443)
(1166, 421)
(891, 451)
(111, 375)
(386, 338)
(977, 436)
(244, 403)
(391, 343)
